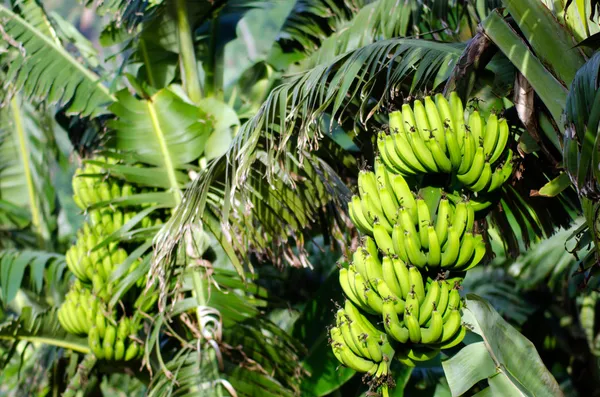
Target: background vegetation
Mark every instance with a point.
(247, 123)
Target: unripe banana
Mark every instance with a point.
(421, 354)
(459, 220)
(444, 296)
(351, 341)
(415, 255)
(373, 211)
(451, 249)
(442, 219)
(434, 331)
(374, 271)
(503, 132)
(454, 303)
(442, 161)
(454, 150)
(435, 122)
(451, 325)
(402, 274)
(361, 219)
(430, 302)
(480, 251)
(386, 294)
(412, 324)
(392, 323)
(108, 342)
(356, 221)
(94, 343)
(490, 138)
(119, 349)
(408, 224)
(383, 239)
(404, 195)
(398, 242)
(405, 152)
(359, 260)
(458, 115)
(412, 304)
(434, 256)
(132, 351)
(455, 340)
(471, 176)
(424, 221)
(484, 179)
(373, 300)
(347, 357)
(421, 120)
(467, 247)
(390, 157)
(371, 247)
(417, 284)
(367, 184)
(421, 151)
(361, 321)
(469, 149)
(389, 276)
(100, 323)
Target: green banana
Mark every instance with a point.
(467, 247)
(402, 274)
(444, 296)
(94, 343)
(108, 342)
(119, 349)
(403, 194)
(392, 324)
(451, 249)
(451, 325)
(344, 283)
(476, 126)
(444, 164)
(408, 224)
(417, 283)
(420, 354)
(421, 151)
(455, 340)
(363, 228)
(389, 276)
(471, 176)
(412, 324)
(435, 122)
(424, 221)
(373, 211)
(405, 152)
(442, 219)
(480, 251)
(398, 242)
(484, 179)
(431, 300)
(383, 239)
(454, 303)
(387, 152)
(454, 150)
(503, 132)
(434, 255)
(434, 331)
(469, 149)
(415, 255)
(132, 351)
(412, 303)
(459, 220)
(343, 323)
(346, 356)
(490, 138)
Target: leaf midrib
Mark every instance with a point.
(86, 72)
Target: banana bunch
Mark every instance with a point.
(413, 311)
(432, 137)
(115, 342)
(358, 344)
(86, 263)
(91, 187)
(405, 226)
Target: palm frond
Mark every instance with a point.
(41, 69)
(358, 82)
(42, 266)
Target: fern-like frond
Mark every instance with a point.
(41, 69)
(356, 83)
(13, 266)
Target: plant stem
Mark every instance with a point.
(191, 81)
(36, 217)
(79, 381)
(147, 63)
(49, 341)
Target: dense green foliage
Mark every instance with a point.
(185, 168)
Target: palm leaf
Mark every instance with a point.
(290, 117)
(41, 69)
(41, 328)
(13, 266)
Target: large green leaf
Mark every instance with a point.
(41, 69)
(537, 24)
(163, 130)
(507, 359)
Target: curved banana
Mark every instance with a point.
(108, 342)
(484, 179)
(458, 115)
(480, 251)
(434, 255)
(392, 324)
(132, 351)
(367, 184)
(477, 127)
(469, 149)
(451, 325)
(420, 354)
(454, 150)
(503, 132)
(373, 211)
(434, 331)
(358, 218)
(94, 343)
(421, 150)
(413, 304)
(389, 276)
(412, 324)
(459, 220)
(417, 283)
(398, 242)
(405, 152)
(408, 224)
(454, 303)
(458, 337)
(359, 260)
(441, 160)
(435, 122)
(415, 255)
(444, 296)
(490, 138)
(383, 239)
(471, 176)
(351, 340)
(451, 249)
(430, 302)
(424, 221)
(442, 219)
(361, 321)
(347, 357)
(402, 274)
(385, 144)
(404, 195)
(467, 247)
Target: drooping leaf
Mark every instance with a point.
(41, 69)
